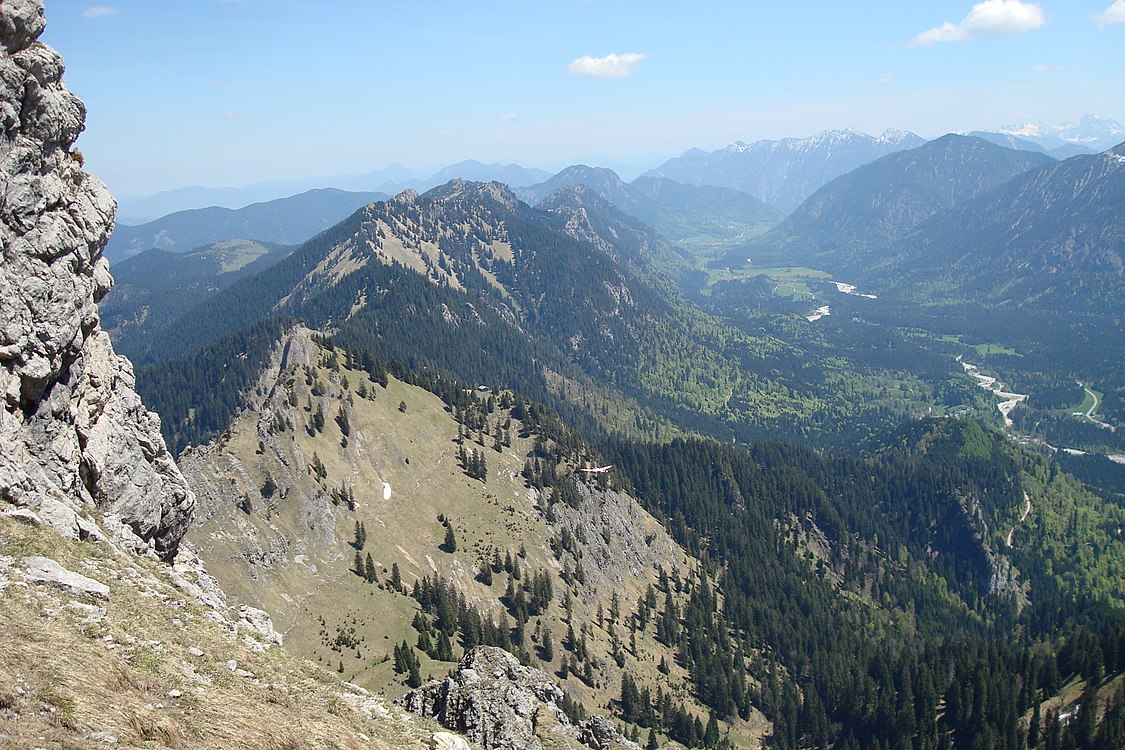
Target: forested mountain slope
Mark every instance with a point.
(1051, 238)
(848, 601)
(566, 309)
(847, 225)
(372, 516)
(155, 287)
(921, 597)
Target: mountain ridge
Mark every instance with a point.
(784, 172)
(845, 224)
(1091, 131)
(286, 221)
(676, 211)
(389, 180)
(1068, 244)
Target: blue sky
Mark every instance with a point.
(232, 92)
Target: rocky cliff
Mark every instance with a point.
(502, 705)
(78, 449)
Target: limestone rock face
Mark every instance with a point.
(46, 571)
(499, 704)
(77, 446)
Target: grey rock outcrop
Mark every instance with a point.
(77, 446)
(258, 621)
(46, 571)
(499, 704)
(447, 741)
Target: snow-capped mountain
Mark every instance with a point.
(785, 172)
(1093, 132)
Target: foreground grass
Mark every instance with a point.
(153, 668)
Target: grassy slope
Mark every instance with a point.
(66, 673)
(293, 556)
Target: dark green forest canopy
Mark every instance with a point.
(901, 614)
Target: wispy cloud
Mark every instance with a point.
(1044, 68)
(991, 18)
(1113, 14)
(508, 116)
(612, 65)
(97, 11)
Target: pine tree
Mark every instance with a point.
(369, 569)
(711, 734)
(450, 543)
(400, 665)
(414, 678)
(396, 577)
(444, 650)
(548, 646)
(1085, 721)
(484, 575)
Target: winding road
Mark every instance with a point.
(1094, 408)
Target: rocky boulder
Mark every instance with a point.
(77, 446)
(499, 704)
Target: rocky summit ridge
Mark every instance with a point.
(78, 449)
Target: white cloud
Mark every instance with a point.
(1113, 14)
(508, 116)
(987, 19)
(1043, 68)
(97, 11)
(610, 66)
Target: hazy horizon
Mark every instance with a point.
(232, 93)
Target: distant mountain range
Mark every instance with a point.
(960, 219)
(783, 173)
(560, 301)
(848, 222)
(1007, 140)
(675, 210)
(389, 180)
(1091, 132)
(287, 221)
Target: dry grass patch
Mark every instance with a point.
(68, 683)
